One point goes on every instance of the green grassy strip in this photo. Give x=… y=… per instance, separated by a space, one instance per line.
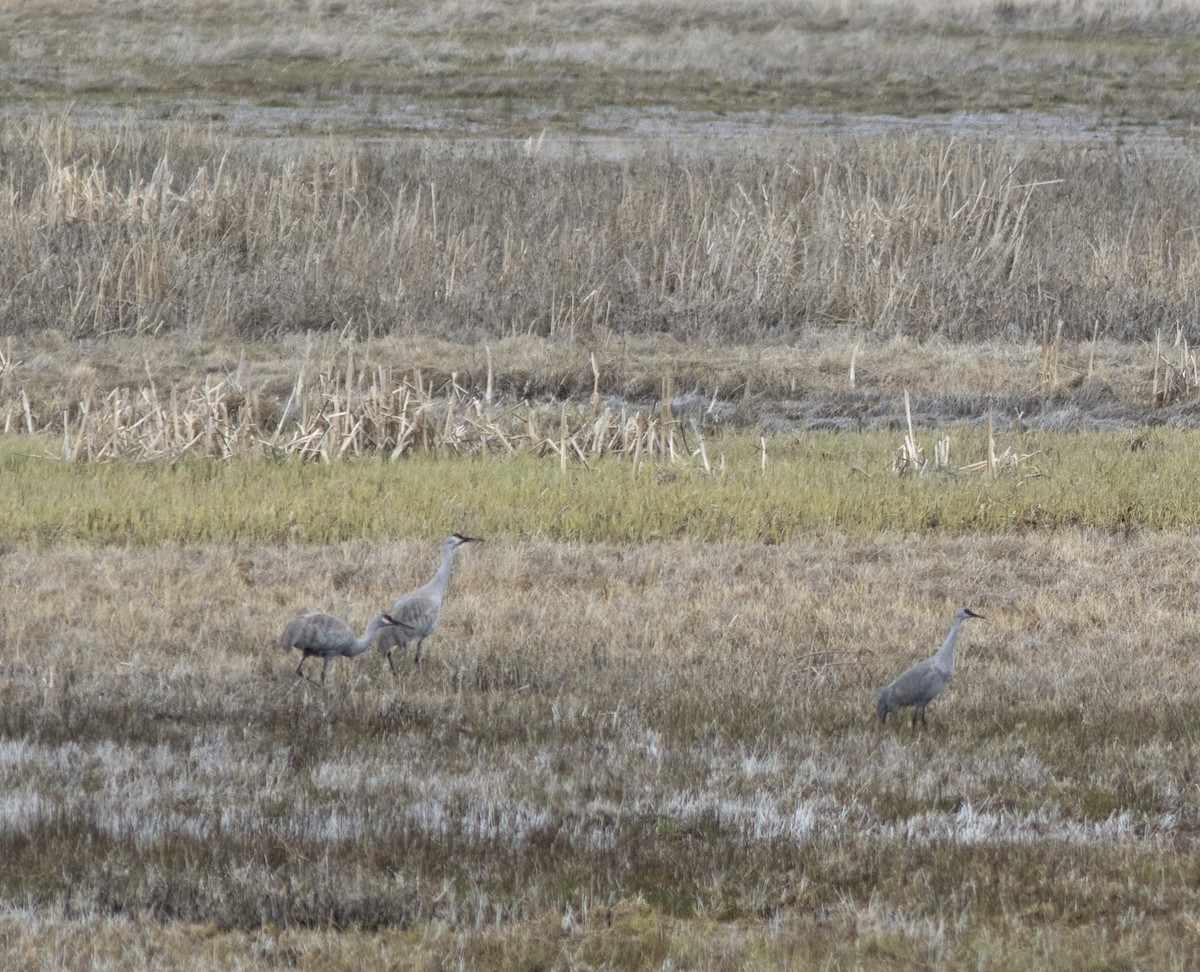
x=1105 y=481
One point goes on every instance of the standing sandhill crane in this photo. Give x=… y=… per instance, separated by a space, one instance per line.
x=327 y=637
x=417 y=611
x=922 y=683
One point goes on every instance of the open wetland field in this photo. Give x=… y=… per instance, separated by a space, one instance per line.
x=611 y=755
x=754 y=341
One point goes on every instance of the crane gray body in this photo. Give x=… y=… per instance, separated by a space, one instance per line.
x=418 y=610
x=327 y=637
x=921 y=684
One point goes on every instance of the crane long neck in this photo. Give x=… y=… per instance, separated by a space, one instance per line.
x=944 y=659
x=363 y=643
x=442 y=577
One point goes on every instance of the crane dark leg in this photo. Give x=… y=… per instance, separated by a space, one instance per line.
x=392 y=664
x=417 y=656
x=300 y=671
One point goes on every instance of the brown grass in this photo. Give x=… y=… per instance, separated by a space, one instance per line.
x=379 y=68
x=614 y=755
x=677 y=736
x=183 y=235
x=381 y=418
x=828 y=276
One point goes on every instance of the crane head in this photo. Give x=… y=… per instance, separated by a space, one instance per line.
x=388 y=619
x=463 y=538
x=968 y=613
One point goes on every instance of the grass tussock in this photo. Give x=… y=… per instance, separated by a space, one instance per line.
x=608 y=749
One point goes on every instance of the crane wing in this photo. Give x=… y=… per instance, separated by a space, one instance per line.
x=314 y=632
x=417 y=613
x=918 y=686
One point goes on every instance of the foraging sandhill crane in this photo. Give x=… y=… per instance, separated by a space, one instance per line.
x=327 y=637
x=418 y=610
x=922 y=683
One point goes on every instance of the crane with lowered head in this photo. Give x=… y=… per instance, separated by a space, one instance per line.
x=324 y=636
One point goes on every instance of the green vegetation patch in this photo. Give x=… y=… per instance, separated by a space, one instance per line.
x=842 y=481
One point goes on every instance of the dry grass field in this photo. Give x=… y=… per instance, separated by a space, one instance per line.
x=611 y=756
x=380 y=68
x=755 y=338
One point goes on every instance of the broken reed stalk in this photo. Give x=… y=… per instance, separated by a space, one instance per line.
x=941 y=453
x=562 y=439
x=700 y=449
x=1051 y=351
x=1157 y=358
x=595 y=381
x=6 y=365
x=909 y=457
x=1092 y=350
x=637 y=443
x=1178 y=380
x=991 y=445
x=911 y=440
x=666 y=425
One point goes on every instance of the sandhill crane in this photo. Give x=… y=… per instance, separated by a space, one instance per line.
x=328 y=637
x=418 y=610
x=922 y=683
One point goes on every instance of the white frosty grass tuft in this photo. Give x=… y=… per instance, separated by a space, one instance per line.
x=147 y=794
x=761 y=818
x=969 y=827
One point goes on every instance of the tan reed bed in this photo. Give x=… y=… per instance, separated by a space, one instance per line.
x=178 y=231
x=382 y=417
